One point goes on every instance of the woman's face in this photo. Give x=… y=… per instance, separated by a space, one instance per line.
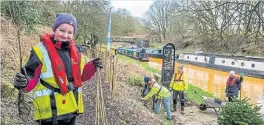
x=64 y=32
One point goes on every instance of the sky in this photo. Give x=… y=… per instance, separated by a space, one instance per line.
x=137 y=8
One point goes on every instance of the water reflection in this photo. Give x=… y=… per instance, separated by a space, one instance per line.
x=214 y=81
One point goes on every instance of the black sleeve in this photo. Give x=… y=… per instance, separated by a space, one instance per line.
x=31 y=65
x=239 y=82
x=144 y=90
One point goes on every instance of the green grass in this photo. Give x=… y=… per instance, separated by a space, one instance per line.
x=192 y=96
x=190 y=92
x=141 y=64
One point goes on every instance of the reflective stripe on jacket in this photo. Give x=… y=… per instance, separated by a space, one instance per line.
x=180 y=84
x=164 y=92
x=49 y=103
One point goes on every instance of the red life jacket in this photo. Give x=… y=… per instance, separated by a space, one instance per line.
x=58 y=66
x=232 y=82
x=180 y=78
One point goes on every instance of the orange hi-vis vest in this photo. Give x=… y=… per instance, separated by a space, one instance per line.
x=179 y=82
x=180 y=78
x=232 y=82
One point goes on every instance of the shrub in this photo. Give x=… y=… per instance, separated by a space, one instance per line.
x=7 y=91
x=136 y=80
x=239 y=112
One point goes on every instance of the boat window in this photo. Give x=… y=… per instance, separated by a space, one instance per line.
x=155 y=52
x=242 y=64
x=196 y=58
x=223 y=61
x=187 y=57
x=253 y=65
x=233 y=63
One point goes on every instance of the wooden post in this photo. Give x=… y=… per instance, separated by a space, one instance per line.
x=100 y=109
x=110 y=72
x=109 y=67
x=114 y=76
x=105 y=64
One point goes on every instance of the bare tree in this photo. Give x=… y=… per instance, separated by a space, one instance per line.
x=158 y=17
x=222 y=26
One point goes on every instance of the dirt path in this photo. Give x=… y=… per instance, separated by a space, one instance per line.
x=193 y=116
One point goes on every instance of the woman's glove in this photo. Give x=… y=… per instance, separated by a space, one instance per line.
x=98 y=63
x=21 y=81
x=241 y=74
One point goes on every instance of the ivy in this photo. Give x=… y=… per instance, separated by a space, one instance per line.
x=22 y=13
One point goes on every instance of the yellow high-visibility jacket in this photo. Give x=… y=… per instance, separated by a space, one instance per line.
x=164 y=92
x=177 y=83
x=45 y=98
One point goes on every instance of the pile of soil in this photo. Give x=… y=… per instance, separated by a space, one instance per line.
x=125 y=108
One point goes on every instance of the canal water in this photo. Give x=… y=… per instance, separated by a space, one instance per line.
x=213 y=81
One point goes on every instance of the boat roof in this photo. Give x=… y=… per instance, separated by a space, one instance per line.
x=247 y=58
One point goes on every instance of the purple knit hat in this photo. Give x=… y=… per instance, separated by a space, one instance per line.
x=65 y=18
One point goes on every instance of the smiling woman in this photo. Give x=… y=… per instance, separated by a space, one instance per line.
x=137 y=8
x=64 y=32
x=56 y=71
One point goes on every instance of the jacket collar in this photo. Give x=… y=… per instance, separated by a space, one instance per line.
x=60 y=44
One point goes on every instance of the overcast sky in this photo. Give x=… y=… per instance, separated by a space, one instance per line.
x=136 y=7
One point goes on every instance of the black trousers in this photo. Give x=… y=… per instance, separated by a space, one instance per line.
x=179 y=94
x=60 y=122
x=230 y=99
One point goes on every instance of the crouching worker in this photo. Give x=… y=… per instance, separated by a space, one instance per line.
x=179 y=86
x=162 y=94
x=145 y=91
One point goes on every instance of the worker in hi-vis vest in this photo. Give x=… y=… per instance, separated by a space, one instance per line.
x=179 y=87
x=55 y=72
x=161 y=93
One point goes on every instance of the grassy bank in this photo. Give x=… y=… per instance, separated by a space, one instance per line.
x=190 y=92
x=141 y=64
